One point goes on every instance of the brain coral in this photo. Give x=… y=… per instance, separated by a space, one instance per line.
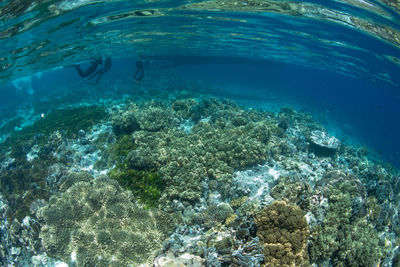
x=283 y=232
x=98 y=223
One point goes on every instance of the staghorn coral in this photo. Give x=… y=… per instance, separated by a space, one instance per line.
x=100 y=218
x=283 y=231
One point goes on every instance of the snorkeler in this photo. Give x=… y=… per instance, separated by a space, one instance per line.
x=94 y=63
x=102 y=69
x=139 y=69
x=98 y=67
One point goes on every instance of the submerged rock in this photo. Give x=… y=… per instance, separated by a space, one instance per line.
x=323 y=144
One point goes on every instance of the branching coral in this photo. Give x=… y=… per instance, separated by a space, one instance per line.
x=345 y=236
x=283 y=231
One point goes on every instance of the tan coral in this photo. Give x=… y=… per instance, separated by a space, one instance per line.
x=283 y=232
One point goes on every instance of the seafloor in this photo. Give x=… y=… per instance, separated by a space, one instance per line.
x=179 y=177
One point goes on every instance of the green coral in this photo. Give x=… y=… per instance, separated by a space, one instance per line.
x=283 y=232
x=345 y=235
x=101 y=218
x=294 y=190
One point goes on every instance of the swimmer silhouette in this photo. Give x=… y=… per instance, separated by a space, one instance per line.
x=97 y=67
x=139 y=69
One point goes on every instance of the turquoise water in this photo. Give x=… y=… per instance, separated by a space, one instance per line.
x=344 y=53
x=236 y=96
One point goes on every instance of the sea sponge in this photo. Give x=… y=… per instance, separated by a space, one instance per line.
x=101 y=218
x=283 y=232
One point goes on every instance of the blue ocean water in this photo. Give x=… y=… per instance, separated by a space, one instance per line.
x=336 y=60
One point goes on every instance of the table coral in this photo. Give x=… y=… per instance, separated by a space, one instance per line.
x=100 y=218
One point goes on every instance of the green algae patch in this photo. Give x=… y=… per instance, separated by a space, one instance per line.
x=145 y=185
x=68 y=120
x=23 y=185
x=24 y=181
x=120 y=149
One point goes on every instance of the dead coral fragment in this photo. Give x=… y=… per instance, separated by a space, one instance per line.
x=283 y=230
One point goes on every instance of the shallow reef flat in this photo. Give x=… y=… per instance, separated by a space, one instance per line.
x=191 y=180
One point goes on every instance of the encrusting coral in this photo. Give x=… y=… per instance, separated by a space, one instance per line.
x=283 y=231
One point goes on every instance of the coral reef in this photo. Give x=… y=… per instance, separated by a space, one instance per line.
x=216 y=214
x=124 y=120
x=241 y=180
x=212 y=150
x=154 y=118
x=99 y=218
x=283 y=233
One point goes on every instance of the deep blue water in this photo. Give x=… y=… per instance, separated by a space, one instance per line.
x=339 y=61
